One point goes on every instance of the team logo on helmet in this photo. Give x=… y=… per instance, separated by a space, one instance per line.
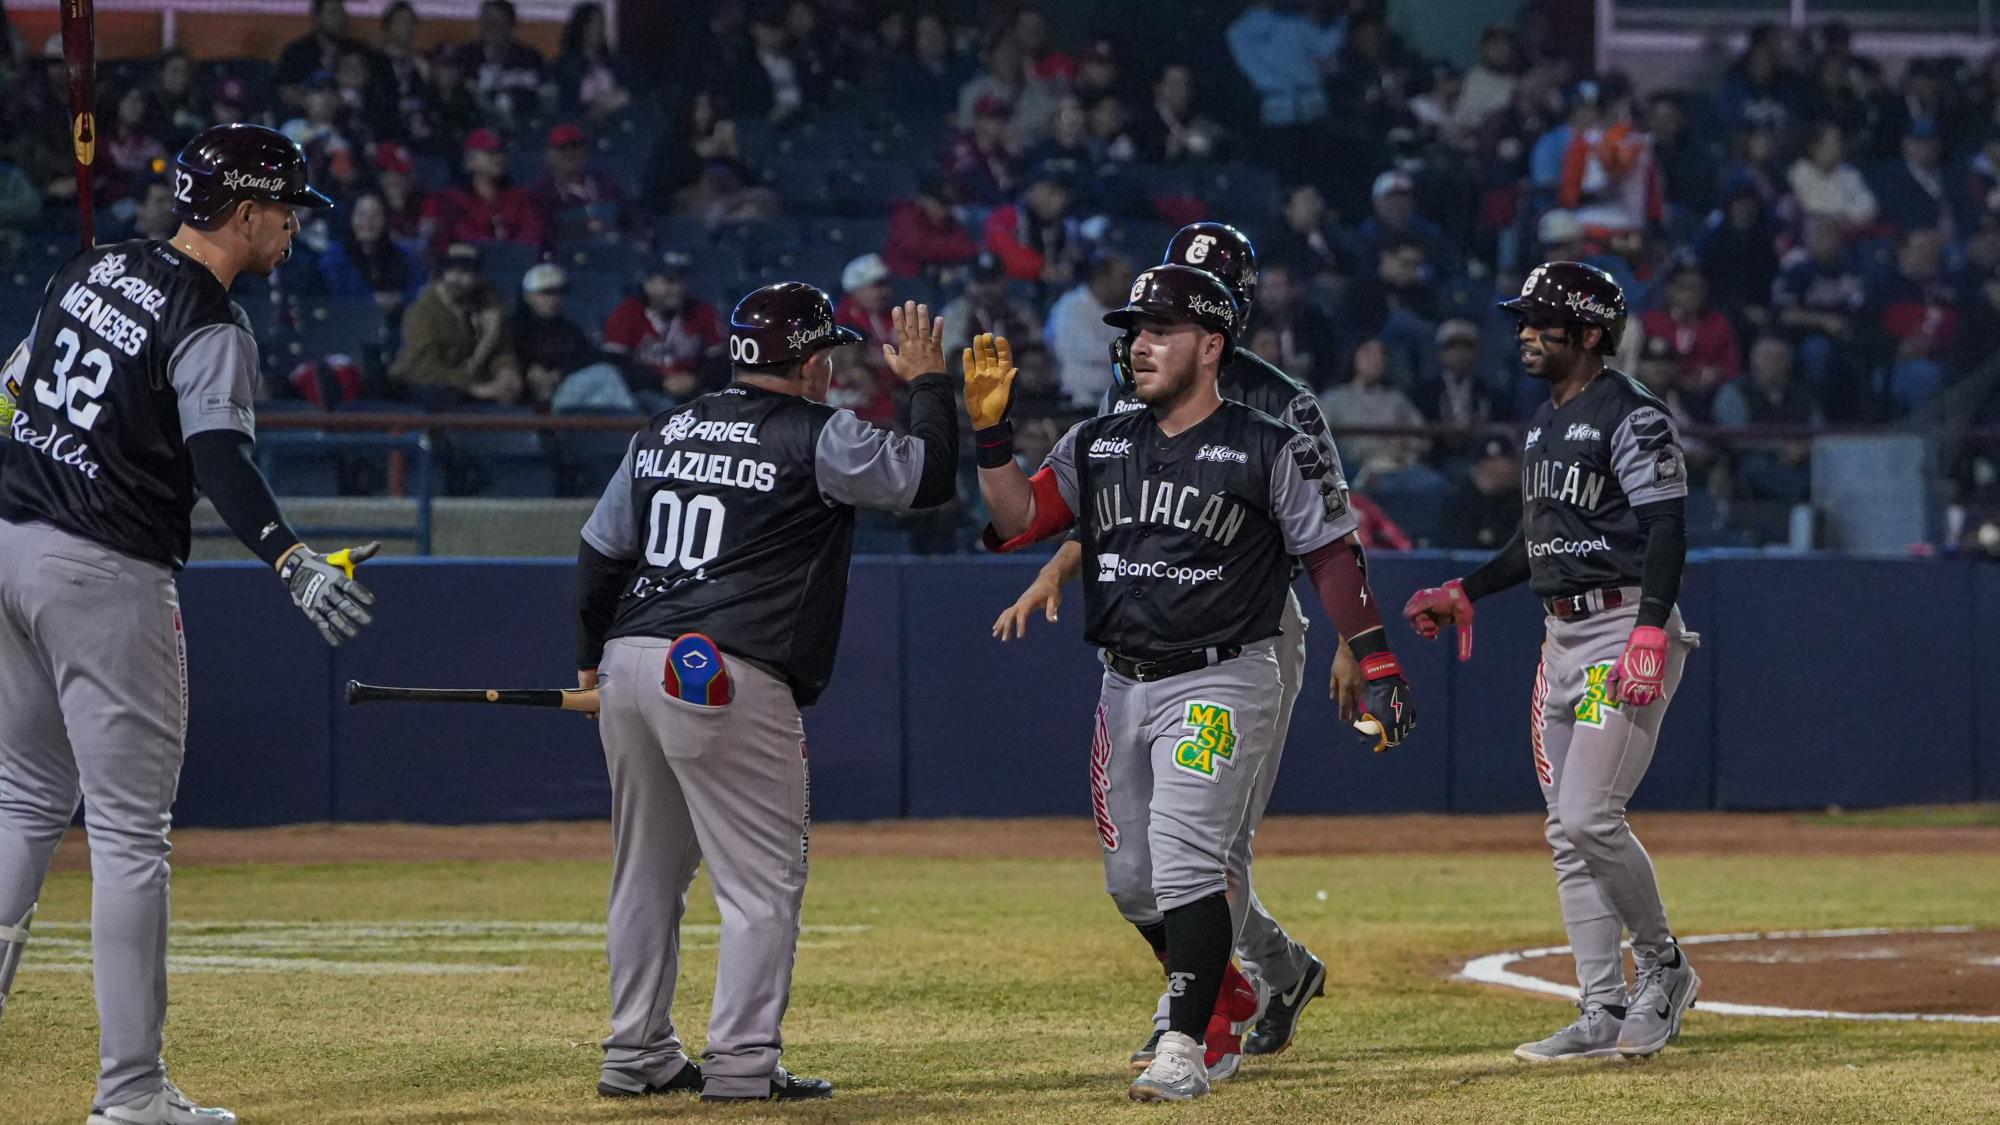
x=1534 y=278
x=1139 y=285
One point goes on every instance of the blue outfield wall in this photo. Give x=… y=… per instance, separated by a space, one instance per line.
x=1819 y=681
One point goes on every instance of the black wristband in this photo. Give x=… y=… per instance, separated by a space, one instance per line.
x=995 y=444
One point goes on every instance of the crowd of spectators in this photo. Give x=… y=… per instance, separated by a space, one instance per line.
x=1807 y=237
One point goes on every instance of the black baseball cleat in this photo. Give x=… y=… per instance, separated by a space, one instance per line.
x=785 y=1087
x=1274 y=1032
x=1143 y=1057
x=628 y=1084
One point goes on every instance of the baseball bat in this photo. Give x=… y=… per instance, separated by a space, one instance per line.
x=79 y=34
x=567 y=699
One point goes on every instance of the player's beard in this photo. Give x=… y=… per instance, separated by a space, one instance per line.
x=1168 y=389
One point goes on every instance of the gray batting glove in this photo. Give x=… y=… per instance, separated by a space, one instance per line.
x=324 y=589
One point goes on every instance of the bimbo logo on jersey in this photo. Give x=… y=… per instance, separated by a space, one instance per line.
x=1222 y=453
x=1110 y=447
x=1534 y=436
x=235 y=180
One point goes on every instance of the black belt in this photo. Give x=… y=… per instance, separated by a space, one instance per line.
x=1192 y=660
x=1576 y=607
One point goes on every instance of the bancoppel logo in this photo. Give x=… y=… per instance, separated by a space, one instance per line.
x=1222 y=453
x=108 y=269
x=1583 y=431
x=1220 y=310
x=234 y=180
x=1110 y=568
x=1534 y=436
x=1585 y=303
x=1561 y=546
x=1111 y=447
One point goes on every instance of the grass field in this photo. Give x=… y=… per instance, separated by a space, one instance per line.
x=996 y=989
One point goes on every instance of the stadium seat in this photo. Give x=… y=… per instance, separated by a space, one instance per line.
x=866 y=188
x=509 y=463
x=349 y=326
x=366 y=472
x=503 y=263
x=294 y=460
x=585 y=459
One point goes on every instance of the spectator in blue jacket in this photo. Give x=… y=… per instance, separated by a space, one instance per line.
x=365 y=262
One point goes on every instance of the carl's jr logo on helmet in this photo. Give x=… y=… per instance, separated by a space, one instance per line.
x=1220 y=310
x=235 y=181
x=806 y=336
x=1585 y=303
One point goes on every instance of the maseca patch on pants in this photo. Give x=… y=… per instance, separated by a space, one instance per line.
x=696 y=674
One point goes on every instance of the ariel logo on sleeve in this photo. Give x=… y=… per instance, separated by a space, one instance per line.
x=1213 y=742
x=1597 y=695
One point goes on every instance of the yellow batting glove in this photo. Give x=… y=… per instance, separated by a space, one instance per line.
x=347 y=558
x=989 y=380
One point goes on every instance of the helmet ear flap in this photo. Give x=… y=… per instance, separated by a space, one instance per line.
x=1121 y=362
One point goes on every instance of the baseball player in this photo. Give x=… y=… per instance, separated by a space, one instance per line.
x=1192 y=512
x=712 y=577
x=136 y=386
x=1284 y=974
x=1602 y=542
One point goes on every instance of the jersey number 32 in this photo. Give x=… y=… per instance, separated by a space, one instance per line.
x=63 y=394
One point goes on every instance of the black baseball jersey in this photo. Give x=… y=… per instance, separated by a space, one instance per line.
x=1189 y=541
x=136 y=348
x=1583 y=467
x=739 y=509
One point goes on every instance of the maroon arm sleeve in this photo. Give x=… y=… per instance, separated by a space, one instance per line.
x=1339 y=572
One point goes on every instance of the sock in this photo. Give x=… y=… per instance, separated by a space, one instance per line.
x=1198 y=941
x=1155 y=934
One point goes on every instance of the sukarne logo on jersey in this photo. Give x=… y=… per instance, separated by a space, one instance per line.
x=1222 y=453
x=1583 y=431
x=1105 y=447
x=1112 y=567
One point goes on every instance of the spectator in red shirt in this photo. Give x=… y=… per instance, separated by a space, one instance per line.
x=574 y=198
x=485 y=208
x=1033 y=237
x=406 y=203
x=980 y=165
x=924 y=236
x=864 y=384
x=1700 y=339
x=671 y=339
x=1917 y=308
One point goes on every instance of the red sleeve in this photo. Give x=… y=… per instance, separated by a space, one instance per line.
x=523 y=219
x=1728 y=357
x=1576 y=158
x=627 y=326
x=1341 y=577
x=1023 y=262
x=1052 y=516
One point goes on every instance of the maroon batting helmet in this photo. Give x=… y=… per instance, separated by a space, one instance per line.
x=225 y=164
x=1180 y=293
x=784 y=323
x=1573 y=293
x=1221 y=250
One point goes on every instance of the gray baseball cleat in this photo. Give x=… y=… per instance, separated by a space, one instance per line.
x=1175 y=1074
x=167 y=1106
x=1662 y=994
x=1143 y=1057
x=1274 y=1032
x=1594 y=1035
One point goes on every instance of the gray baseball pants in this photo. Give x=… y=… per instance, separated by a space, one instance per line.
x=93 y=707
x=1591 y=752
x=689 y=783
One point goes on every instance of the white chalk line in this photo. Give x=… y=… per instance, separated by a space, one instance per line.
x=1493 y=968
x=370 y=948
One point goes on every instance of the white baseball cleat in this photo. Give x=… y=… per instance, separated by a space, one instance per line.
x=1175 y=1074
x=1662 y=994
x=168 y=1106
x=1594 y=1035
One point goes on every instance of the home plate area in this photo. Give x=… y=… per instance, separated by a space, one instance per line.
x=1947 y=974
x=387 y=948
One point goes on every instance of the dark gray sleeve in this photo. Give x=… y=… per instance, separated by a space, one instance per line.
x=1308 y=498
x=1062 y=464
x=613 y=529
x=1305 y=416
x=214 y=373
x=1647 y=456
x=866 y=466
x=17 y=362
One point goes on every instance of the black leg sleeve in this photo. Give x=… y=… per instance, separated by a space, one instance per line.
x=242 y=496
x=1198 y=941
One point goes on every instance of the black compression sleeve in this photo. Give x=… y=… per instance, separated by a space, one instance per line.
x=934 y=422
x=599 y=581
x=240 y=493
x=1664 y=523
x=1507 y=568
